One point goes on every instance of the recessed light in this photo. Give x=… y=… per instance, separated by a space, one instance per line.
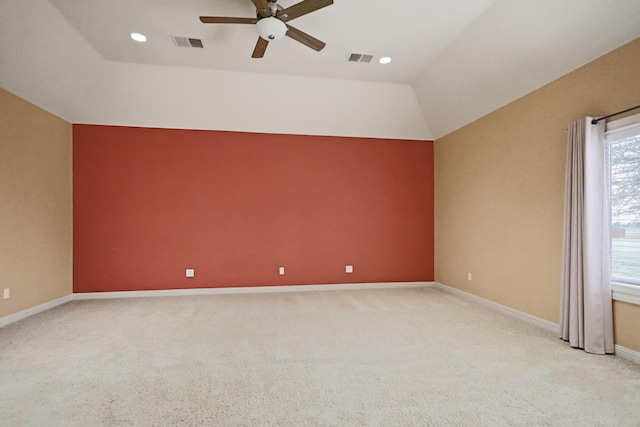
x=384 y=60
x=139 y=37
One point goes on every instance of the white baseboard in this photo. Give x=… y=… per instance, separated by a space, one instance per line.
x=621 y=351
x=628 y=354
x=12 y=318
x=249 y=290
x=537 y=321
x=205 y=291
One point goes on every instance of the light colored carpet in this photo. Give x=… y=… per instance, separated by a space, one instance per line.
x=405 y=357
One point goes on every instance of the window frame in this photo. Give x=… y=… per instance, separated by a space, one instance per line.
x=620 y=291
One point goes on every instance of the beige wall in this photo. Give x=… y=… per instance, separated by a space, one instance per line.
x=499 y=190
x=626 y=318
x=35 y=205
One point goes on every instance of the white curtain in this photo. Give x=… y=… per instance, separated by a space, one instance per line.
x=586 y=319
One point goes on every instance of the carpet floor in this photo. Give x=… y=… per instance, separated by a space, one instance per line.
x=388 y=357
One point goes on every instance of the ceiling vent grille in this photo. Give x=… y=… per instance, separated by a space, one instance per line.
x=359 y=57
x=187 y=42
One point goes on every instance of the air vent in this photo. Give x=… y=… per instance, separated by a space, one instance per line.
x=187 y=42
x=359 y=57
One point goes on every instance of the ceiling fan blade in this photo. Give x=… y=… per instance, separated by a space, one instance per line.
x=305 y=38
x=226 y=20
x=260 y=48
x=302 y=8
x=262 y=7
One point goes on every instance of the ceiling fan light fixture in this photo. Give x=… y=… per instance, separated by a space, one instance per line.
x=271 y=28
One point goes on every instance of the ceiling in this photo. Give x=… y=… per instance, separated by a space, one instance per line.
x=412 y=33
x=454 y=61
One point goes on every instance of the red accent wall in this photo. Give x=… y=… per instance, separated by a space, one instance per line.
x=149 y=203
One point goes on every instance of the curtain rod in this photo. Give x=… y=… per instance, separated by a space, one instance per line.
x=595 y=121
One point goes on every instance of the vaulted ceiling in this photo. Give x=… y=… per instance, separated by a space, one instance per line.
x=457 y=59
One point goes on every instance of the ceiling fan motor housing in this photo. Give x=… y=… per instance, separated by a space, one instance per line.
x=273 y=7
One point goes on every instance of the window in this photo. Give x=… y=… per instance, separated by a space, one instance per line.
x=623 y=172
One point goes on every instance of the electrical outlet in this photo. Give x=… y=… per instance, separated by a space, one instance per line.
x=6 y=294
x=190 y=272
x=349 y=269
x=469 y=277
x=281 y=271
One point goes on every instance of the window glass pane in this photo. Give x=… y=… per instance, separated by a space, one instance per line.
x=624 y=193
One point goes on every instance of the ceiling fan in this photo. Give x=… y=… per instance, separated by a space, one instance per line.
x=271 y=22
